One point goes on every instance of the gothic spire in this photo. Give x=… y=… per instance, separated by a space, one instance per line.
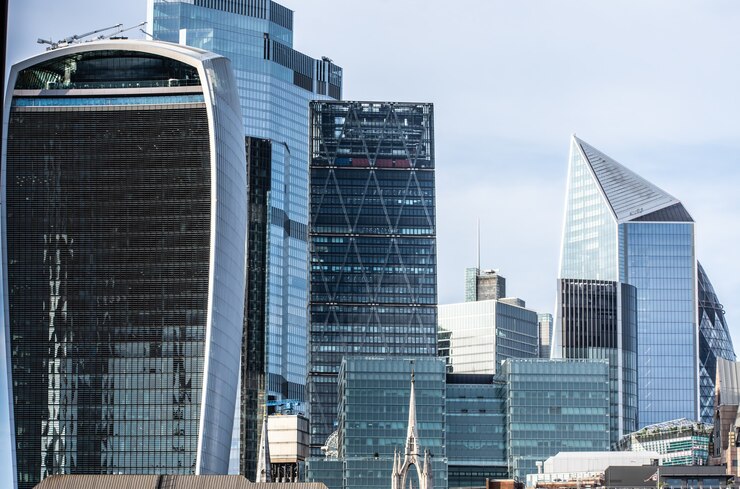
x=412 y=435
x=264 y=470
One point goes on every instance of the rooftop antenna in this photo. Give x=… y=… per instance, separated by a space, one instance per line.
x=478 y=245
x=115 y=35
x=73 y=38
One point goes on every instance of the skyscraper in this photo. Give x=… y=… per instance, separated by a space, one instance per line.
x=275 y=84
x=621 y=228
x=714 y=342
x=124 y=213
x=372 y=235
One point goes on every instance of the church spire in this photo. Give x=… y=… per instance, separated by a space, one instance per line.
x=412 y=435
x=264 y=470
x=411 y=457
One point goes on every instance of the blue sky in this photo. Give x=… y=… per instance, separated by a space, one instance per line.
x=651 y=83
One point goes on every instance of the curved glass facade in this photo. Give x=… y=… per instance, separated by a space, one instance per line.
x=115 y=261
x=714 y=342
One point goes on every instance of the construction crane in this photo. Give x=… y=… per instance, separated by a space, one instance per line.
x=74 y=38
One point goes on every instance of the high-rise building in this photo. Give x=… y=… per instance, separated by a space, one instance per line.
x=475 y=337
x=483 y=285
x=372 y=234
x=545 y=322
x=275 y=84
x=715 y=343
x=598 y=319
x=621 y=228
x=554 y=406
x=124 y=214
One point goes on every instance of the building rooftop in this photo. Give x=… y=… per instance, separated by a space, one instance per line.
x=630 y=196
x=162 y=481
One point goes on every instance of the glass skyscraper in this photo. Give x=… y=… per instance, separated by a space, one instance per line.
x=275 y=84
x=123 y=225
x=372 y=235
x=714 y=342
x=621 y=228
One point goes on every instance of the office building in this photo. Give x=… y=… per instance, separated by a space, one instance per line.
x=372 y=236
x=598 y=319
x=124 y=213
x=275 y=84
x=545 y=322
x=475 y=430
x=679 y=442
x=715 y=343
x=475 y=337
x=621 y=228
x=483 y=285
x=391 y=414
x=554 y=406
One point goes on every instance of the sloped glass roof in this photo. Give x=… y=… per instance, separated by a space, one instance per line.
x=629 y=195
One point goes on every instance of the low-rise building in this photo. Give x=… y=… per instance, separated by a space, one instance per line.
x=679 y=442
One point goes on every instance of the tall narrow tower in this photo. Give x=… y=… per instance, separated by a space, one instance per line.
x=372 y=237
x=275 y=82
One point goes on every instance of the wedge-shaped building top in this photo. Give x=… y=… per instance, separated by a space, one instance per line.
x=630 y=196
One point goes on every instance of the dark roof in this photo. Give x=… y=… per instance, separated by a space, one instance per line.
x=162 y=481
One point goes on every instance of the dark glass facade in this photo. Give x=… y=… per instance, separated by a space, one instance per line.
x=108 y=236
x=476 y=430
x=372 y=242
x=715 y=342
x=253 y=362
x=599 y=321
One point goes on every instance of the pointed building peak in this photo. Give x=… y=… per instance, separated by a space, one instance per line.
x=630 y=196
x=264 y=468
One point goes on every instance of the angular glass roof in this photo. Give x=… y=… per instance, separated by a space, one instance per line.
x=629 y=195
